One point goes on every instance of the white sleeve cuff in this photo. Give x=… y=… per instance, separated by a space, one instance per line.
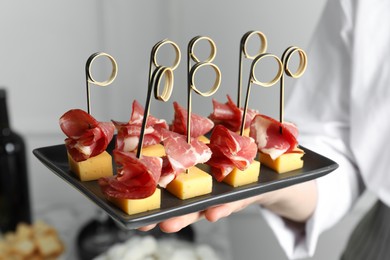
x=291 y=239
x=337 y=191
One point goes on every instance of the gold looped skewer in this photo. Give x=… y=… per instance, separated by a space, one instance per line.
x=217 y=81
x=156 y=76
x=192 y=71
x=244 y=52
x=168 y=83
x=299 y=72
x=253 y=79
x=157 y=47
x=194 y=41
x=90 y=78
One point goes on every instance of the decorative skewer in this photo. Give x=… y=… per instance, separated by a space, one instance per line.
x=253 y=79
x=244 y=52
x=192 y=71
x=300 y=70
x=155 y=78
x=88 y=75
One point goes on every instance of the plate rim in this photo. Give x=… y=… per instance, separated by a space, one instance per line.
x=190 y=205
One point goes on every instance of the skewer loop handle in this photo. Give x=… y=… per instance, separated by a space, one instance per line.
x=156 y=48
x=278 y=75
x=286 y=57
x=88 y=69
x=159 y=74
x=194 y=41
x=90 y=78
x=244 y=43
x=217 y=81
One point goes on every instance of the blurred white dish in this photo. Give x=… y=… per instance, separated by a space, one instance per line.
x=148 y=247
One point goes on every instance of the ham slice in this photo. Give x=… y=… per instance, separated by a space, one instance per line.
x=270 y=140
x=135 y=178
x=230 y=116
x=86 y=136
x=199 y=125
x=128 y=133
x=181 y=155
x=230 y=150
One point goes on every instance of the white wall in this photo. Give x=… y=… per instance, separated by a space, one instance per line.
x=44 y=45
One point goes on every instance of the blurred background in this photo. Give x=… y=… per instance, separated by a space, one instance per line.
x=44 y=45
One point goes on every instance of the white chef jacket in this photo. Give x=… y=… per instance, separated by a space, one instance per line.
x=341 y=107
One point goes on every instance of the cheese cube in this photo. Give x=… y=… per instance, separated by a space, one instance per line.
x=134 y=206
x=284 y=163
x=192 y=184
x=156 y=150
x=204 y=139
x=92 y=168
x=238 y=178
x=246 y=131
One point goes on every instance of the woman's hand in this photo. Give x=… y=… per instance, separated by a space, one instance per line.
x=296 y=203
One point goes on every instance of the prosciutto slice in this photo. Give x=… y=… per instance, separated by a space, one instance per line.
x=86 y=137
x=230 y=150
x=230 y=116
x=135 y=178
x=128 y=133
x=270 y=140
x=199 y=125
x=180 y=155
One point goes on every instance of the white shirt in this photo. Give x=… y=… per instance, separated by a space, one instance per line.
x=341 y=106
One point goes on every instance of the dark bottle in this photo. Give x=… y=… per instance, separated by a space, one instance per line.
x=14 y=192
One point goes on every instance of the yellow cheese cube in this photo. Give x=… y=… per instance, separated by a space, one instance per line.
x=192 y=184
x=284 y=163
x=246 y=131
x=134 y=206
x=156 y=150
x=238 y=178
x=92 y=168
x=204 y=139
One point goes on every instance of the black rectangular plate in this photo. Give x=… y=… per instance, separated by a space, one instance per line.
x=315 y=166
